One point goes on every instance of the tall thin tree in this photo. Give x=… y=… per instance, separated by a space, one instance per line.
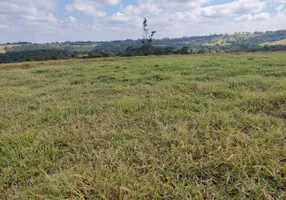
x=147 y=38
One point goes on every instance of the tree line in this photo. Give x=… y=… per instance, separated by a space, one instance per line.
x=55 y=54
x=144 y=47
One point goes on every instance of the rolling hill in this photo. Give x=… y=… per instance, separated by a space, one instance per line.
x=211 y=41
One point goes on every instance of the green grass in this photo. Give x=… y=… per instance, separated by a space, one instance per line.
x=170 y=127
x=280 y=42
x=222 y=40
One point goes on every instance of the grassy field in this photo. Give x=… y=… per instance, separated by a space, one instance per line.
x=280 y=42
x=171 y=127
x=72 y=48
x=232 y=37
x=2 y=50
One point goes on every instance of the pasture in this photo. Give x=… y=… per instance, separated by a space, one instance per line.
x=168 y=127
x=2 y=47
x=2 y=50
x=280 y=42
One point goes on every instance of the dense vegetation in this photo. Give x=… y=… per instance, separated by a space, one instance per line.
x=37 y=55
x=213 y=43
x=56 y=54
x=238 y=42
x=171 y=127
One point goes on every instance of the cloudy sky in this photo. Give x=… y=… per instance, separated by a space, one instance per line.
x=98 y=20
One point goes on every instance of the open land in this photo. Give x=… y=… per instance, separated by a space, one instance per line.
x=168 y=127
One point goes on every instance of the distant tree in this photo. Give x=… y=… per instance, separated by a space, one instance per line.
x=184 y=50
x=147 y=38
x=6 y=48
x=201 y=51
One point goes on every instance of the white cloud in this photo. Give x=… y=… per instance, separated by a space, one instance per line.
x=259 y=17
x=103 y=2
x=90 y=7
x=279 y=8
x=234 y=7
x=4 y=26
x=143 y=9
x=152 y=7
x=119 y=17
x=46 y=4
x=68 y=22
x=20 y=12
x=38 y=19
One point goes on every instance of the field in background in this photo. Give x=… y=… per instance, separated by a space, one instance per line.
x=237 y=42
x=280 y=42
x=67 y=47
x=2 y=50
x=229 y=39
x=168 y=127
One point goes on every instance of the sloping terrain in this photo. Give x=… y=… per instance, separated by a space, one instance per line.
x=216 y=41
x=2 y=50
x=279 y=42
x=114 y=47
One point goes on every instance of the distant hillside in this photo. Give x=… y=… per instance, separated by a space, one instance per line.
x=66 y=46
x=280 y=42
x=222 y=41
x=255 y=38
x=4 y=48
x=217 y=43
x=113 y=47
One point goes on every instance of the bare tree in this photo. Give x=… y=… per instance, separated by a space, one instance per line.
x=147 y=38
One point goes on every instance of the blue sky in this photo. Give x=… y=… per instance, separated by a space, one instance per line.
x=102 y=20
